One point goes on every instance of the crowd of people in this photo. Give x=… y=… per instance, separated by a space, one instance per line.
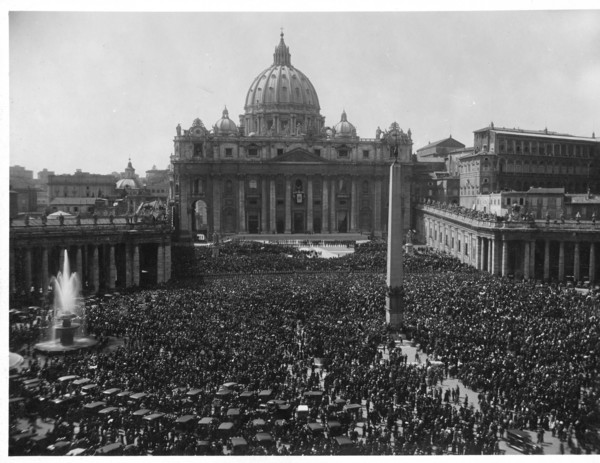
x=530 y=351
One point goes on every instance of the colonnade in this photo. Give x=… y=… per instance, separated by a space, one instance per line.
x=538 y=254
x=106 y=266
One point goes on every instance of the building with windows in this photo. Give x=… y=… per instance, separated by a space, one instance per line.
x=280 y=169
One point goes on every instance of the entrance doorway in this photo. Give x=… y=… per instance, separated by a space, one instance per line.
x=298 y=222
x=253 y=223
x=342 y=221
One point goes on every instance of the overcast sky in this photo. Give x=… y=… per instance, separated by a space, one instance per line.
x=90 y=90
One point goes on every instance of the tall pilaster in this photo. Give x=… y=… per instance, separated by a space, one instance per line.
x=112 y=269
x=241 y=205
x=561 y=261
x=128 y=265
x=264 y=201
x=526 y=267
x=325 y=206
x=136 y=265
x=592 y=263
x=577 y=263
x=28 y=274
x=546 y=260
x=309 y=205
x=288 y=204
x=478 y=256
x=160 y=264
x=332 y=212
x=216 y=204
x=272 y=204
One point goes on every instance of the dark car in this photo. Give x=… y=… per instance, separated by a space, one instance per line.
x=521 y=441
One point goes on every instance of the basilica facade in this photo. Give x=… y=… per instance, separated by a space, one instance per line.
x=281 y=169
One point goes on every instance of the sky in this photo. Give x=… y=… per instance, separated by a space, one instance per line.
x=89 y=90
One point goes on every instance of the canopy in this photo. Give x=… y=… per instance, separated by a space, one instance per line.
x=185 y=418
x=315 y=427
x=153 y=416
x=207 y=420
x=112 y=391
x=238 y=442
x=108 y=410
x=352 y=407
x=57 y=214
x=263 y=437
x=141 y=412
x=344 y=441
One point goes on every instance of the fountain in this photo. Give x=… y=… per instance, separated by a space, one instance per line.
x=64 y=336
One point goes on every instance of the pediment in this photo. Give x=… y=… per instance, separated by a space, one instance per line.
x=299 y=155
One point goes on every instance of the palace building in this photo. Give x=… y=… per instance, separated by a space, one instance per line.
x=280 y=169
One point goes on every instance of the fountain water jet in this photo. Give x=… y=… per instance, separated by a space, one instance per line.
x=66 y=291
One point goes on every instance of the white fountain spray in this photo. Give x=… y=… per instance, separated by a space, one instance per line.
x=66 y=289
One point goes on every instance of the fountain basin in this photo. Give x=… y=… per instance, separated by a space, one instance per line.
x=55 y=346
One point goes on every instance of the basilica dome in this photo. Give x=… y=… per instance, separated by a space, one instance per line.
x=344 y=128
x=281 y=99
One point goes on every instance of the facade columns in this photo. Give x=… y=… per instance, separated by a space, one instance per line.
x=241 y=206
x=264 y=227
x=333 y=197
x=272 y=204
x=160 y=264
x=491 y=259
x=309 y=201
x=325 y=206
x=216 y=184
x=353 y=206
x=577 y=264
x=592 y=262
x=561 y=261
x=377 y=208
x=136 y=265
x=526 y=266
x=547 y=260
x=288 y=205
x=112 y=269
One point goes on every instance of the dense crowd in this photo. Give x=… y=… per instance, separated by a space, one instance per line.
x=530 y=351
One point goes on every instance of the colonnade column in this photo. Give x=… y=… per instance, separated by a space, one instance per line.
x=532 y=260
x=241 y=206
x=28 y=275
x=136 y=265
x=325 y=206
x=264 y=227
x=78 y=264
x=160 y=264
x=526 y=267
x=561 y=261
x=45 y=274
x=272 y=204
x=95 y=268
x=309 y=210
x=128 y=265
x=216 y=205
x=546 y=260
x=112 y=269
x=353 y=206
x=332 y=198
x=288 y=205
x=576 y=266
x=592 y=263
x=167 y=276
x=492 y=256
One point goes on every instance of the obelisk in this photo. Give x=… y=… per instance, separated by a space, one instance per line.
x=394 y=310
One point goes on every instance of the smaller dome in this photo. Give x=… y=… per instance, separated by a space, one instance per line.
x=344 y=128
x=225 y=126
x=127 y=183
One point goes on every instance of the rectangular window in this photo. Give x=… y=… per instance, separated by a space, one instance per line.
x=365 y=154
x=317 y=152
x=343 y=153
x=253 y=152
x=228 y=152
x=279 y=151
